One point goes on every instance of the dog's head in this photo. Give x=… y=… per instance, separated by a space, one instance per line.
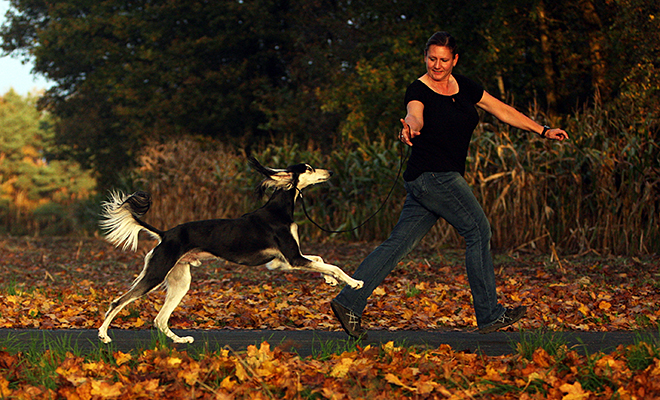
x=295 y=176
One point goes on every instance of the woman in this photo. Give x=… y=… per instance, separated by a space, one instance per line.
x=439 y=123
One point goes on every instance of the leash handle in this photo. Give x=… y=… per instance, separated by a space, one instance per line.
x=403 y=158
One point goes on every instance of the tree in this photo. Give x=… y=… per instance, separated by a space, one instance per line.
x=246 y=70
x=28 y=178
x=126 y=70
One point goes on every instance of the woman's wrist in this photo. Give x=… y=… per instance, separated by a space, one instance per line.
x=545 y=130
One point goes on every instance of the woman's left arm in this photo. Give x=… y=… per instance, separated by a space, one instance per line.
x=515 y=118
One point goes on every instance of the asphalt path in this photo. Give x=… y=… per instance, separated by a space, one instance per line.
x=309 y=343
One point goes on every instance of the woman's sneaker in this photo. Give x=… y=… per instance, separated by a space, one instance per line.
x=350 y=321
x=510 y=316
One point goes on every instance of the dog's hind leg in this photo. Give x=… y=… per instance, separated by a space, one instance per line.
x=178 y=283
x=153 y=274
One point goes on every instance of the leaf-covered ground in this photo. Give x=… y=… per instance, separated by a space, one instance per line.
x=68 y=283
x=385 y=372
x=53 y=283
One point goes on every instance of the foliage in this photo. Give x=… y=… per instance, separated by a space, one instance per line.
x=598 y=191
x=68 y=284
x=33 y=187
x=270 y=70
x=378 y=372
x=70 y=291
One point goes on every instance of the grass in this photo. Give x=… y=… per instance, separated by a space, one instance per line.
x=645 y=349
x=331 y=347
x=552 y=342
x=590 y=378
x=40 y=360
x=14 y=287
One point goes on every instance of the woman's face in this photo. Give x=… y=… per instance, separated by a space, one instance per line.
x=440 y=62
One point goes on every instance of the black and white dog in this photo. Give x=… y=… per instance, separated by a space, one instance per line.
x=267 y=236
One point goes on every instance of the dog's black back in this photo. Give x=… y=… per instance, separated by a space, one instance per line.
x=249 y=240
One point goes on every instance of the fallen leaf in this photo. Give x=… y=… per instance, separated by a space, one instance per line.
x=573 y=391
x=393 y=379
x=341 y=369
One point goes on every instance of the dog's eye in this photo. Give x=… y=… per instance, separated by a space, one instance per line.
x=310 y=169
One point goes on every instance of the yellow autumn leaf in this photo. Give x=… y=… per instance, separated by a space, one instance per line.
x=122 y=358
x=425 y=387
x=228 y=383
x=174 y=361
x=5 y=392
x=393 y=379
x=573 y=391
x=656 y=368
x=145 y=387
x=492 y=374
x=104 y=389
x=604 y=305
x=583 y=309
x=92 y=366
x=341 y=369
x=190 y=373
x=241 y=374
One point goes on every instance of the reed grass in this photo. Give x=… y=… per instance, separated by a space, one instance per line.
x=599 y=191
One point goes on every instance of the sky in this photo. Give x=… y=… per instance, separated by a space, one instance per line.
x=15 y=75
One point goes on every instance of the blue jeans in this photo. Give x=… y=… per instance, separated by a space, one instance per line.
x=431 y=196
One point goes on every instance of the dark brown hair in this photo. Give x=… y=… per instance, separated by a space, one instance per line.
x=442 y=39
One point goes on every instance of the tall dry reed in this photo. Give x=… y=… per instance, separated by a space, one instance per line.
x=600 y=191
x=192 y=179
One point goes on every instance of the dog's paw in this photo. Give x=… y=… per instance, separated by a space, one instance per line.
x=185 y=339
x=356 y=284
x=104 y=338
x=317 y=259
x=330 y=280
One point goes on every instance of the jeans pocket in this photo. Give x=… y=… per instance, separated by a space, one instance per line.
x=417 y=188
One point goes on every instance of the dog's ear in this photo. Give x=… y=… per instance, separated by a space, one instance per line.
x=280 y=180
x=256 y=165
x=275 y=178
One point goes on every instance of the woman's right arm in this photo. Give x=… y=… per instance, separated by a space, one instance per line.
x=413 y=123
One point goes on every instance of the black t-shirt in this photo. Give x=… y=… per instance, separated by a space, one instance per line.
x=449 y=122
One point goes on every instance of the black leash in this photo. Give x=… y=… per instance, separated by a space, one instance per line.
x=403 y=158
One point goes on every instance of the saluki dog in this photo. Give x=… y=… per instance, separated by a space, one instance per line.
x=267 y=236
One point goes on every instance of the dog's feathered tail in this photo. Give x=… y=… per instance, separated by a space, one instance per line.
x=121 y=219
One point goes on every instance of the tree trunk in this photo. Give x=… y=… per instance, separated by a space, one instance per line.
x=596 y=41
x=548 y=69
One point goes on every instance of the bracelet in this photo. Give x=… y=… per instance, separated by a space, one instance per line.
x=545 y=129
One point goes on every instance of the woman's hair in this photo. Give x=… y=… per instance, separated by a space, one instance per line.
x=442 y=39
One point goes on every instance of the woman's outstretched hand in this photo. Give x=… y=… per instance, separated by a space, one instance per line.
x=407 y=134
x=556 y=134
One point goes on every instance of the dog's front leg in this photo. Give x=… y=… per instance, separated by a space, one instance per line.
x=178 y=283
x=336 y=272
x=329 y=279
x=330 y=272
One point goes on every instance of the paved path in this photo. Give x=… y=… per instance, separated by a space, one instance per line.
x=307 y=343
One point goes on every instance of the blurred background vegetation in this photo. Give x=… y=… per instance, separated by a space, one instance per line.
x=170 y=97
